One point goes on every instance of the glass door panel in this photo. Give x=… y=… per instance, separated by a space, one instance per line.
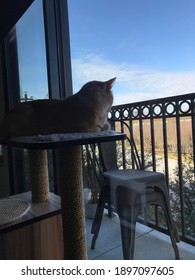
x=26 y=68
x=32 y=54
x=37 y=66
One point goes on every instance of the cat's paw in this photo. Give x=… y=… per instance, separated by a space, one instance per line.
x=106 y=126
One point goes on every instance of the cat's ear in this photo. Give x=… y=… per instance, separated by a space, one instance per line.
x=109 y=83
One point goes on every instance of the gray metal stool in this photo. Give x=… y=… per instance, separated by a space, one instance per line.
x=129 y=191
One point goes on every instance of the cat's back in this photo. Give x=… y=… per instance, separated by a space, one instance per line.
x=26 y=114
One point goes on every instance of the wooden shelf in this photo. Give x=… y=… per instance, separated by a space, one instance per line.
x=36 y=235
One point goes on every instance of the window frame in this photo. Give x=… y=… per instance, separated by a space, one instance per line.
x=59 y=73
x=58 y=48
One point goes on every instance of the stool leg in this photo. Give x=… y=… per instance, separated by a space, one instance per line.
x=172 y=236
x=98 y=219
x=128 y=208
x=70 y=180
x=172 y=229
x=39 y=175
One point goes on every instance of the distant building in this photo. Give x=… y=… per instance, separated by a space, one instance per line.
x=26 y=98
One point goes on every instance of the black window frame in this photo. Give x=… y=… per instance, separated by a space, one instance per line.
x=59 y=73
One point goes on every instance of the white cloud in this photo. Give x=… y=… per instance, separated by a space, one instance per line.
x=134 y=82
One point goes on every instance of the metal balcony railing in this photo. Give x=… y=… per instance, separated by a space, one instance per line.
x=164 y=134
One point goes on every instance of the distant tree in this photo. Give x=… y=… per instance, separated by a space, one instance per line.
x=186 y=190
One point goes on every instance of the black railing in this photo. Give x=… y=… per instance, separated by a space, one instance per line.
x=164 y=133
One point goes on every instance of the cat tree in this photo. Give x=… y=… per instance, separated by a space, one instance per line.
x=69 y=179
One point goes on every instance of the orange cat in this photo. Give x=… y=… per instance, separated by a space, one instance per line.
x=82 y=112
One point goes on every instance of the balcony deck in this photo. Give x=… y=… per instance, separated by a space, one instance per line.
x=150 y=244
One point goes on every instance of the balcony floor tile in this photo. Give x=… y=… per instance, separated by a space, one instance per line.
x=150 y=244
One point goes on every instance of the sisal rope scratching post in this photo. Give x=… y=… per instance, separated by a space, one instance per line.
x=72 y=202
x=39 y=175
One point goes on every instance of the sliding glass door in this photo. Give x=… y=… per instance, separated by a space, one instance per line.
x=30 y=38
x=37 y=66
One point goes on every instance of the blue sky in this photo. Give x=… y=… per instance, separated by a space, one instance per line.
x=31 y=52
x=149 y=45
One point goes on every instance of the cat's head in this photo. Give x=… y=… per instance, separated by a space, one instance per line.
x=102 y=89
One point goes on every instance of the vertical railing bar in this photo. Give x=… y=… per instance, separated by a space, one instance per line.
x=193 y=129
x=153 y=142
x=180 y=169
x=132 y=131
x=135 y=154
x=153 y=159
x=166 y=165
x=123 y=145
x=94 y=162
x=132 y=152
x=141 y=138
